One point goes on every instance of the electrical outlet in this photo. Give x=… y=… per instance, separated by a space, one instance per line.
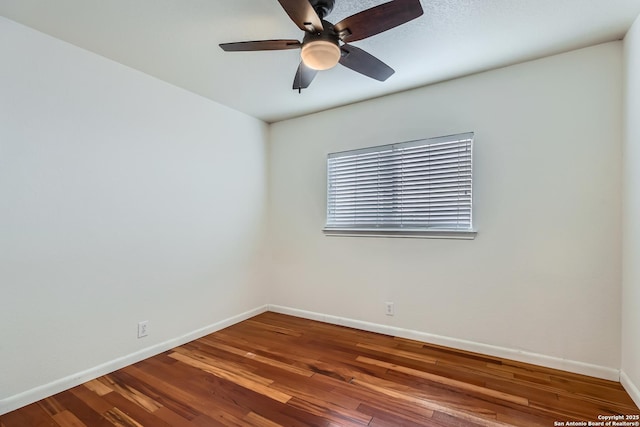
x=143 y=328
x=388 y=308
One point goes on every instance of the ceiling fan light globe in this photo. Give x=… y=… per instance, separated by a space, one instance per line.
x=320 y=54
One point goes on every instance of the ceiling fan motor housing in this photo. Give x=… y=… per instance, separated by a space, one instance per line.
x=328 y=33
x=322 y=7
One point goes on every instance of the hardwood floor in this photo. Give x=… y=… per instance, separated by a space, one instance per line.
x=277 y=370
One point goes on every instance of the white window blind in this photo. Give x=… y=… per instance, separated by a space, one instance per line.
x=423 y=185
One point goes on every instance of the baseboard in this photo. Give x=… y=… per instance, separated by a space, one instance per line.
x=631 y=388
x=15 y=402
x=490 y=350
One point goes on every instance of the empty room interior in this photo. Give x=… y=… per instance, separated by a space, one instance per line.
x=167 y=203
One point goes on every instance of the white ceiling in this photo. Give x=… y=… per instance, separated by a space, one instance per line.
x=177 y=41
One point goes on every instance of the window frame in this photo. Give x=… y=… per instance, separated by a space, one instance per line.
x=402 y=230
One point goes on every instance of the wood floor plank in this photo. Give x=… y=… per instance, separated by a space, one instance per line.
x=81 y=410
x=277 y=370
x=67 y=419
x=134 y=412
x=318 y=387
x=481 y=418
x=243 y=379
x=384 y=417
x=171 y=418
x=131 y=393
x=259 y=421
x=157 y=389
x=399 y=353
x=197 y=392
x=470 y=403
x=119 y=418
x=98 y=387
x=91 y=399
x=30 y=415
x=263 y=359
x=457 y=385
x=396 y=406
x=327 y=404
x=50 y=406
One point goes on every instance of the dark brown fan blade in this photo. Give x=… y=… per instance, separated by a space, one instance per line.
x=364 y=63
x=304 y=77
x=378 y=19
x=302 y=14
x=260 y=45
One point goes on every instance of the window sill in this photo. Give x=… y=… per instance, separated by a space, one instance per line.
x=404 y=233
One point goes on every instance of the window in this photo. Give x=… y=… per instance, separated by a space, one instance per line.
x=415 y=189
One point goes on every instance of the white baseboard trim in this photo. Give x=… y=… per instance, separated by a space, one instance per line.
x=487 y=349
x=25 y=398
x=631 y=388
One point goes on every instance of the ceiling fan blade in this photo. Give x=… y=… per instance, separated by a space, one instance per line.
x=260 y=45
x=302 y=14
x=304 y=77
x=364 y=63
x=377 y=19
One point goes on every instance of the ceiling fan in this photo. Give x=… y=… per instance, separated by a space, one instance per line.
x=321 y=47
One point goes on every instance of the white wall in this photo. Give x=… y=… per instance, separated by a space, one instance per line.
x=122 y=199
x=543 y=275
x=631 y=217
